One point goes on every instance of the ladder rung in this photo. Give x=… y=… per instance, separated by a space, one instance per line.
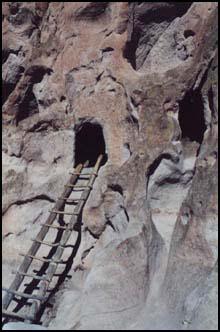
x=58 y=274
x=82 y=174
x=78 y=187
x=36 y=258
x=82 y=186
x=24 y=295
x=71 y=199
x=50 y=244
x=54 y=226
x=75 y=173
x=45 y=260
x=37 y=288
x=33 y=276
x=12 y=314
x=63 y=212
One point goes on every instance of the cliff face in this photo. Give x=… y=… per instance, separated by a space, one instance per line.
x=145 y=74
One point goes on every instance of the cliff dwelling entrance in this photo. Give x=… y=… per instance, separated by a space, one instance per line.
x=89 y=144
x=191 y=117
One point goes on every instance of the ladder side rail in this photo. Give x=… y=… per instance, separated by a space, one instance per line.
x=35 y=307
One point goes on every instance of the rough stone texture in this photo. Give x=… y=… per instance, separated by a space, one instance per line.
x=147 y=73
x=22 y=327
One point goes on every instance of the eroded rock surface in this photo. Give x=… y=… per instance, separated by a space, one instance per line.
x=146 y=74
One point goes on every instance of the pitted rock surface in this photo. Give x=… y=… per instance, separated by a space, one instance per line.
x=146 y=73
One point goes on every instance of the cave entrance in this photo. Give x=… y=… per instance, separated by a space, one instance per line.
x=191 y=117
x=7 y=89
x=89 y=144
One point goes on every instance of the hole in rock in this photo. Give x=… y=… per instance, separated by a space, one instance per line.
x=89 y=144
x=62 y=98
x=7 y=89
x=131 y=46
x=116 y=187
x=28 y=106
x=37 y=73
x=191 y=116
x=107 y=49
x=189 y=33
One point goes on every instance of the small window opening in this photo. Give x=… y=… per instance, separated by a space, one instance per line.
x=191 y=116
x=89 y=144
x=62 y=98
x=189 y=33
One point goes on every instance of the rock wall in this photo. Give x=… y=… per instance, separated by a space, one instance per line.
x=147 y=74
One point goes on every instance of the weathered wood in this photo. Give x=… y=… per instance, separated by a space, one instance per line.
x=56 y=259
x=33 y=276
x=36 y=303
x=24 y=295
x=77 y=187
x=46 y=243
x=35 y=246
x=41 y=259
x=33 y=311
x=63 y=212
x=66 y=234
x=73 y=173
x=71 y=199
x=11 y=314
x=84 y=174
x=54 y=226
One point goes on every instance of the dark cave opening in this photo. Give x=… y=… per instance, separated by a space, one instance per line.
x=7 y=89
x=191 y=116
x=5 y=54
x=89 y=144
x=28 y=106
x=189 y=33
x=131 y=46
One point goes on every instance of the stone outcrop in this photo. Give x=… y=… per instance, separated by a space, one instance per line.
x=146 y=74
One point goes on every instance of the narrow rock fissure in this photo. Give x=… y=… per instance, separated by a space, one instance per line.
x=29 y=200
x=95 y=236
x=108 y=222
x=211 y=101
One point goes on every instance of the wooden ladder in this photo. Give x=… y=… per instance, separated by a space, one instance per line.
x=44 y=281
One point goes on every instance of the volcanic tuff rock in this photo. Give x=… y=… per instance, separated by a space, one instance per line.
x=147 y=74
